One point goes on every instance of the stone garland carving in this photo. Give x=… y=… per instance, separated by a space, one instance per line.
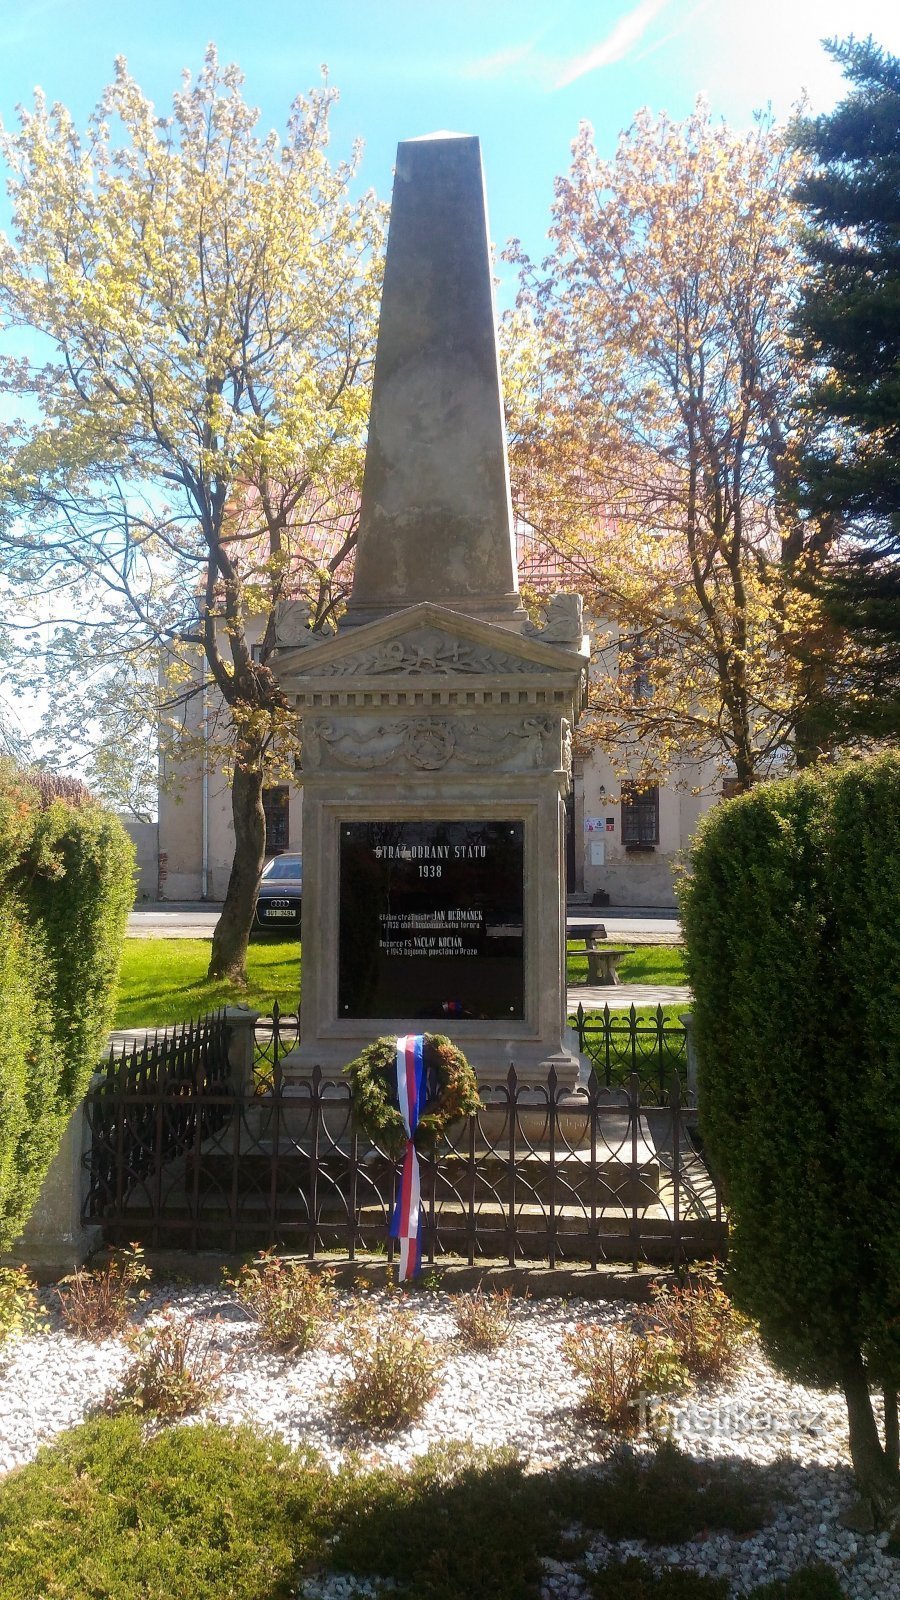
x=291 y=626
x=430 y=743
x=563 y=624
x=429 y=653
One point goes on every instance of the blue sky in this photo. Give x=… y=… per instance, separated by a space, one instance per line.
x=521 y=75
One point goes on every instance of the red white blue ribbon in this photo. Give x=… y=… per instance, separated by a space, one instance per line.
x=406 y=1223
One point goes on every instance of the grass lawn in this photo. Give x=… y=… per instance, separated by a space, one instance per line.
x=646 y=963
x=164 y=980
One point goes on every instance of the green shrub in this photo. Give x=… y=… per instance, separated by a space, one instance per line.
x=20 y=1308
x=100 y=1302
x=470 y=1524
x=790 y=915
x=708 y=1332
x=637 y=1580
x=395 y=1370
x=293 y=1305
x=189 y=1513
x=483 y=1318
x=66 y=887
x=670 y=1497
x=175 y=1371
x=458 y=1524
x=622 y=1371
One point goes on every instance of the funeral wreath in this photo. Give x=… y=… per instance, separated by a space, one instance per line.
x=451 y=1092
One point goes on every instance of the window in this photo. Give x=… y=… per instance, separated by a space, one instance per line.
x=276 y=805
x=640 y=816
x=636 y=656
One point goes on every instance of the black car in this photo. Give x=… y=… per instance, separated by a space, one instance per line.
x=280 y=893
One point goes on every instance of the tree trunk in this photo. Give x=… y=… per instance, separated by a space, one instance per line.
x=232 y=932
x=891 y=1428
x=877 y=1480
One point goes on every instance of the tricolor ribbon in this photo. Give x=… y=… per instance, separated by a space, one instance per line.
x=406 y=1223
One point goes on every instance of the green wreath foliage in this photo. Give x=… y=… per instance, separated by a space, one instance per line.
x=373 y=1080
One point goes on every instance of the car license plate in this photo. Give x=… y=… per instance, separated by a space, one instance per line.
x=273 y=913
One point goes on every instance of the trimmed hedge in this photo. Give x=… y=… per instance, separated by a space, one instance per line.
x=66 y=887
x=792 y=919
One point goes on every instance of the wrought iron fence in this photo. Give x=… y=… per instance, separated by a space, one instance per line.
x=144 y=1106
x=189 y=1158
x=622 y=1044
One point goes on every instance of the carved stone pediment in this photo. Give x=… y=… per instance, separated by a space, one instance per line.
x=430 y=744
x=427 y=641
x=426 y=652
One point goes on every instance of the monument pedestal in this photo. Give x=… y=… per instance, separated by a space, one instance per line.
x=436 y=723
x=436 y=754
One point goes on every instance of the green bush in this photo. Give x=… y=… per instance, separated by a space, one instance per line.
x=190 y=1513
x=66 y=887
x=637 y=1580
x=623 y=1372
x=669 y=1497
x=20 y=1308
x=293 y=1305
x=793 y=936
x=395 y=1370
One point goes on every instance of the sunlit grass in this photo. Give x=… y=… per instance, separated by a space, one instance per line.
x=648 y=963
x=164 y=980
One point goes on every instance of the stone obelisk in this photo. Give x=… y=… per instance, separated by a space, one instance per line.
x=436 y=520
x=436 y=723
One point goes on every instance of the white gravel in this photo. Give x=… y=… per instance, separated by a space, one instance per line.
x=524 y=1395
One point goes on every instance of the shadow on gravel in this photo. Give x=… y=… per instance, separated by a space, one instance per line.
x=468 y=1526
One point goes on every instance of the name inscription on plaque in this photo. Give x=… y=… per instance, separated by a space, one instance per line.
x=431 y=920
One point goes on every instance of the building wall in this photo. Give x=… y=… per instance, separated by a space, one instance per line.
x=145 y=838
x=194 y=829
x=634 y=878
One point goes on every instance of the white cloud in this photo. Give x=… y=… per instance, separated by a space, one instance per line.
x=628 y=32
x=497 y=65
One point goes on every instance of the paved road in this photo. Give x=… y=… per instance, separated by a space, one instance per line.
x=194 y=920
x=173 y=920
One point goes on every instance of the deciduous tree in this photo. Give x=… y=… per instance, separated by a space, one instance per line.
x=205 y=299
x=653 y=453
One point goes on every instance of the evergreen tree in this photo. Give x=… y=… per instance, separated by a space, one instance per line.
x=849 y=324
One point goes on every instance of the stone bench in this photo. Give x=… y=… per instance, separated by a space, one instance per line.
x=602 y=961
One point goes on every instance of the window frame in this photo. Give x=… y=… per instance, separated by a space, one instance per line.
x=640 y=801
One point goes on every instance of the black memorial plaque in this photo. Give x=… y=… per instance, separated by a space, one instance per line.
x=431 y=920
